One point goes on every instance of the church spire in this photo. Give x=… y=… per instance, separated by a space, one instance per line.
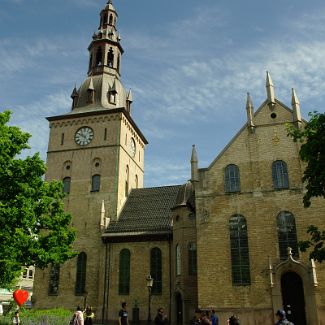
x=105 y=49
x=270 y=90
x=194 y=165
x=296 y=109
x=250 y=112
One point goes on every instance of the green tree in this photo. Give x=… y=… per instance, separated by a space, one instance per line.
x=34 y=229
x=312 y=152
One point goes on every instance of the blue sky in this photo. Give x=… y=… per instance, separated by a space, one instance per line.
x=189 y=65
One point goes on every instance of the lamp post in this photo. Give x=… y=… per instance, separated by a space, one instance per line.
x=149 y=280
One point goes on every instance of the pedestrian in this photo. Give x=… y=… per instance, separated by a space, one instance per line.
x=161 y=318
x=123 y=315
x=78 y=318
x=214 y=318
x=16 y=319
x=233 y=320
x=204 y=319
x=89 y=316
x=282 y=319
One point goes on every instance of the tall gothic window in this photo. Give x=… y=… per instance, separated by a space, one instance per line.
x=66 y=184
x=95 y=184
x=280 y=175
x=81 y=274
x=156 y=270
x=127 y=182
x=287 y=234
x=99 y=57
x=54 y=279
x=239 y=250
x=110 y=58
x=90 y=62
x=124 y=274
x=232 y=179
x=178 y=259
x=192 y=262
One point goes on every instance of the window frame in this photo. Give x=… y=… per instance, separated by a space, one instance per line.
x=124 y=272
x=192 y=258
x=239 y=251
x=156 y=270
x=81 y=272
x=280 y=175
x=232 y=179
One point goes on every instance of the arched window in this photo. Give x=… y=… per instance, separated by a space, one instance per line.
x=95 y=184
x=90 y=62
x=124 y=274
x=118 y=64
x=54 y=280
x=99 y=57
x=239 y=250
x=110 y=58
x=280 y=175
x=232 y=179
x=178 y=259
x=66 y=184
x=127 y=181
x=192 y=264
x=287 y=234
x=110 y=19
x=136 y=181
x=105 y=19
x=156 y=270
x=81 y=274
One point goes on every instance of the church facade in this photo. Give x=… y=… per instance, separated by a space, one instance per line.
x=226 y=240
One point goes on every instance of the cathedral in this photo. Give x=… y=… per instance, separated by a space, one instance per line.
x=225 y=240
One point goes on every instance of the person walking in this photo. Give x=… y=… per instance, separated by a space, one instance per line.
x=78 y=317
x=88 y=316
x=16 y=319
x=233 y=320
x=282 y=318
x=161 y=318
x=214 y=318
x=123 y=315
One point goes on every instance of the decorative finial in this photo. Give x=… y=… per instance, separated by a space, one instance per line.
x=270 y=90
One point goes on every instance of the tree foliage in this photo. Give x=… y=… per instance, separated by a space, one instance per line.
x=34 y=228
x=312 y=152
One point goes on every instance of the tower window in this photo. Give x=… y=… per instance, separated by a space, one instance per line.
x=110 y=20
x=99 y=57
x=90 y=62
x=90 y=95
x=287 y=234
x=105 y=134
x=95 y=185
x=105 y=19
x=156 y=270
x=62 y=139
x=81 y=273
x=124 y=272
x=232 y=179
x=54 y=280
x=66 y=184
x=110 y=58
x=136 y=181
x=280 y=175
x=118 y=64
x=127 y=182
x=239 y=251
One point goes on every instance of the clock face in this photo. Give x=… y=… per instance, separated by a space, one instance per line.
x=84 y=136
x=132 y=147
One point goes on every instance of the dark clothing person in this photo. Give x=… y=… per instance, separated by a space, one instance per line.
x=214 y=318
x=282 y=319
x=89 y=316
x=161 y=319
x=123 y=315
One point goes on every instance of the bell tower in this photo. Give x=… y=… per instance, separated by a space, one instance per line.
x=97 y=150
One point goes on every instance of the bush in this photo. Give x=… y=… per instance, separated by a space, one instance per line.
x=57 y=316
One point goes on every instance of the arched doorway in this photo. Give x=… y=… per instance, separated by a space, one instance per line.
x=293 y=298
x=179 y=309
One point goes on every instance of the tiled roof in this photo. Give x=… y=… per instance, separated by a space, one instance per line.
x=147 y=210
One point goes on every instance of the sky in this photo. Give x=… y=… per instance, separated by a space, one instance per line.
x=189 y=64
